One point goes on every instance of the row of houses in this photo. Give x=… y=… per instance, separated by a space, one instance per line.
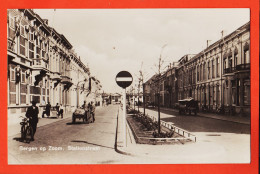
x=218 y=77
x=43 y=66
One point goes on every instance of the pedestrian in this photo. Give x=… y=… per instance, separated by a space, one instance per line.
x=57 y=108
x=93 y=108
x=61 y=111
x=47 y=110
x=84 y=106
x=32 y=113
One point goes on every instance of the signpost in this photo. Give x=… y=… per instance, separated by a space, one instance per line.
x=124 y=79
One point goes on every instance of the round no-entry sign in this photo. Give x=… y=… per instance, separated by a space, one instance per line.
x=124 y=79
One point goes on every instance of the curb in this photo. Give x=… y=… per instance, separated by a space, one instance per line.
x=166 y=109
x=117 y=149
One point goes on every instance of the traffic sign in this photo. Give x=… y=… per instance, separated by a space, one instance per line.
x=124 y=79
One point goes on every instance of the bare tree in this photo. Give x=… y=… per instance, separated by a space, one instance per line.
x=158 y=80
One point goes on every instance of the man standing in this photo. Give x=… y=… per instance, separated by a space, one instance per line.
x=32 y=113
x=61 y=111
x=47 y=110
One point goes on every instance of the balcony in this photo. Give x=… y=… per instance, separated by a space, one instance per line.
x=55 y=76
x=229 y=70
x=66 y=79
x=243 y=67
x=40 y=64
x=237 y=68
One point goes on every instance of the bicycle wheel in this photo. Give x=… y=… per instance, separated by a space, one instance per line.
x=29 y=134
x=23 y=133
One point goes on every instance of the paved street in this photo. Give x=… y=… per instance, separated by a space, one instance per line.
x=58 y=142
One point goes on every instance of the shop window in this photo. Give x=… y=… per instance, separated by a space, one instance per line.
x=246 y=92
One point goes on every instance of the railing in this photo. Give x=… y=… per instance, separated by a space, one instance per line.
x=229 y=70
x=39 y=63
x=243 y=66
x=65 y=79
x=170 y=125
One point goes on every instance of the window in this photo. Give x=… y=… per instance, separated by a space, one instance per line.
x=246 y=57
x=198 y=74
x=238 y=91
x=217 y=95
x=235 y=60
x=22 y=45
x=22 y=30
x=204 y=71
x=208 y=70
x=246 y=54
x=201 y=75
x=31 y=46
x=11 y=22
x=233 y=92
x=246 y=92
x=213 y=69
x=23 y=77
x=12 y=74
x=217 y=68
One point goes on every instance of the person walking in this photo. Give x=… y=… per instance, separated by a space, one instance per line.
x=32 y=113
x=47 y=110
x=84 y=106
x=57 y=109
x=61 y=111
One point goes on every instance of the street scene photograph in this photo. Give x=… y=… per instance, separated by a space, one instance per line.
x=129 y=86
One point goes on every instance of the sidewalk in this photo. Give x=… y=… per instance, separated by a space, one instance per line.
x=205 y=150
x=14 y=127
x=237 y=119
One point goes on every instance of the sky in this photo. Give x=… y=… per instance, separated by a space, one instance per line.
x=113 y=40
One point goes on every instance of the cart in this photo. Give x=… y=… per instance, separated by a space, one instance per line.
x=83 y=114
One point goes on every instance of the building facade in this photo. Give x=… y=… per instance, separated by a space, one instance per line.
x=41 y=64
x=218 y=77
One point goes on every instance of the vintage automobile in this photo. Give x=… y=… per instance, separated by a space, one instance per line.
x=85 y=115
x=188 y=105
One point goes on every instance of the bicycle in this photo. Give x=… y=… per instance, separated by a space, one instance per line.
x=26 y=130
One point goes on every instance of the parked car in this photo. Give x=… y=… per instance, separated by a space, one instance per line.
x=188 y=106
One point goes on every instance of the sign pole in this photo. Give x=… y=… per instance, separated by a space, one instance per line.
x=124 y=79
x=124 y=117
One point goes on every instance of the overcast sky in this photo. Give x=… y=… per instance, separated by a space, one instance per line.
x=112 y=40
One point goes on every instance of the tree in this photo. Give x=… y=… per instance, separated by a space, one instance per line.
x=158 y=80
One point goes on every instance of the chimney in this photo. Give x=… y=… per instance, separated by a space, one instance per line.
x=208 y=43
x=46 y=21
x=223 y=34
